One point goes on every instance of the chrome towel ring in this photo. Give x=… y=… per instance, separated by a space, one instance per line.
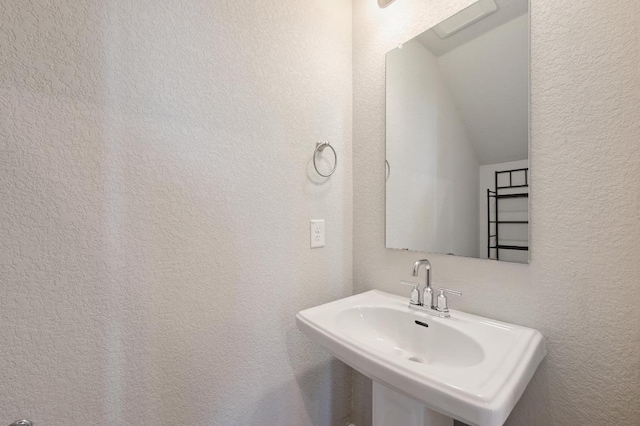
x=320 y=146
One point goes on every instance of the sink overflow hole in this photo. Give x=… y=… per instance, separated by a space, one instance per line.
x=424 y=324
x=415 y=359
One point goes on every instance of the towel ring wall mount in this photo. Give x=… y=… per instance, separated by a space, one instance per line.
x=320 y=146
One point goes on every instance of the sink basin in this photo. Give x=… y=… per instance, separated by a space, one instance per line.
x=467 y=367
x=433 y=343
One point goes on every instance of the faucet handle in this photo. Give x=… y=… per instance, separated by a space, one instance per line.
x=442 y=299
x=414 y=299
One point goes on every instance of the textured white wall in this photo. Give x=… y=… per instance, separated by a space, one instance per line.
x=155 y=197
x=424 y=131
x=582 y=288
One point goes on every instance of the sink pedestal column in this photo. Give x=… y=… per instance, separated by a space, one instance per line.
x=391 y=408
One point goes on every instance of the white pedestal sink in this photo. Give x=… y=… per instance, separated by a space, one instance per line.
x=428 y=370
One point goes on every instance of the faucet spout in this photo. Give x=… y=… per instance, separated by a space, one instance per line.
x=427 y=268
x=427 y=300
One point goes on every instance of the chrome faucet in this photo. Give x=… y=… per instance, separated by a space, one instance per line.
x=427 y=304
x=427 y=295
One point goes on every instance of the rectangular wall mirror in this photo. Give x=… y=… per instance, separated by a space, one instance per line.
x=457 y=138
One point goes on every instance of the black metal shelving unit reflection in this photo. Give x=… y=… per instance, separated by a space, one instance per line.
x=497 y=196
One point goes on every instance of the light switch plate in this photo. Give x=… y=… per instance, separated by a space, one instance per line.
x=317 y=233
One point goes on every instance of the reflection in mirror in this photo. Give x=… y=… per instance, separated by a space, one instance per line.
x=457 y=135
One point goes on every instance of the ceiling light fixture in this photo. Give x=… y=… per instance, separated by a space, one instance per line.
x=385 y=3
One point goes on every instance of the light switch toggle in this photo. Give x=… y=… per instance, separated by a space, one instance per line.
x=317 y=233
